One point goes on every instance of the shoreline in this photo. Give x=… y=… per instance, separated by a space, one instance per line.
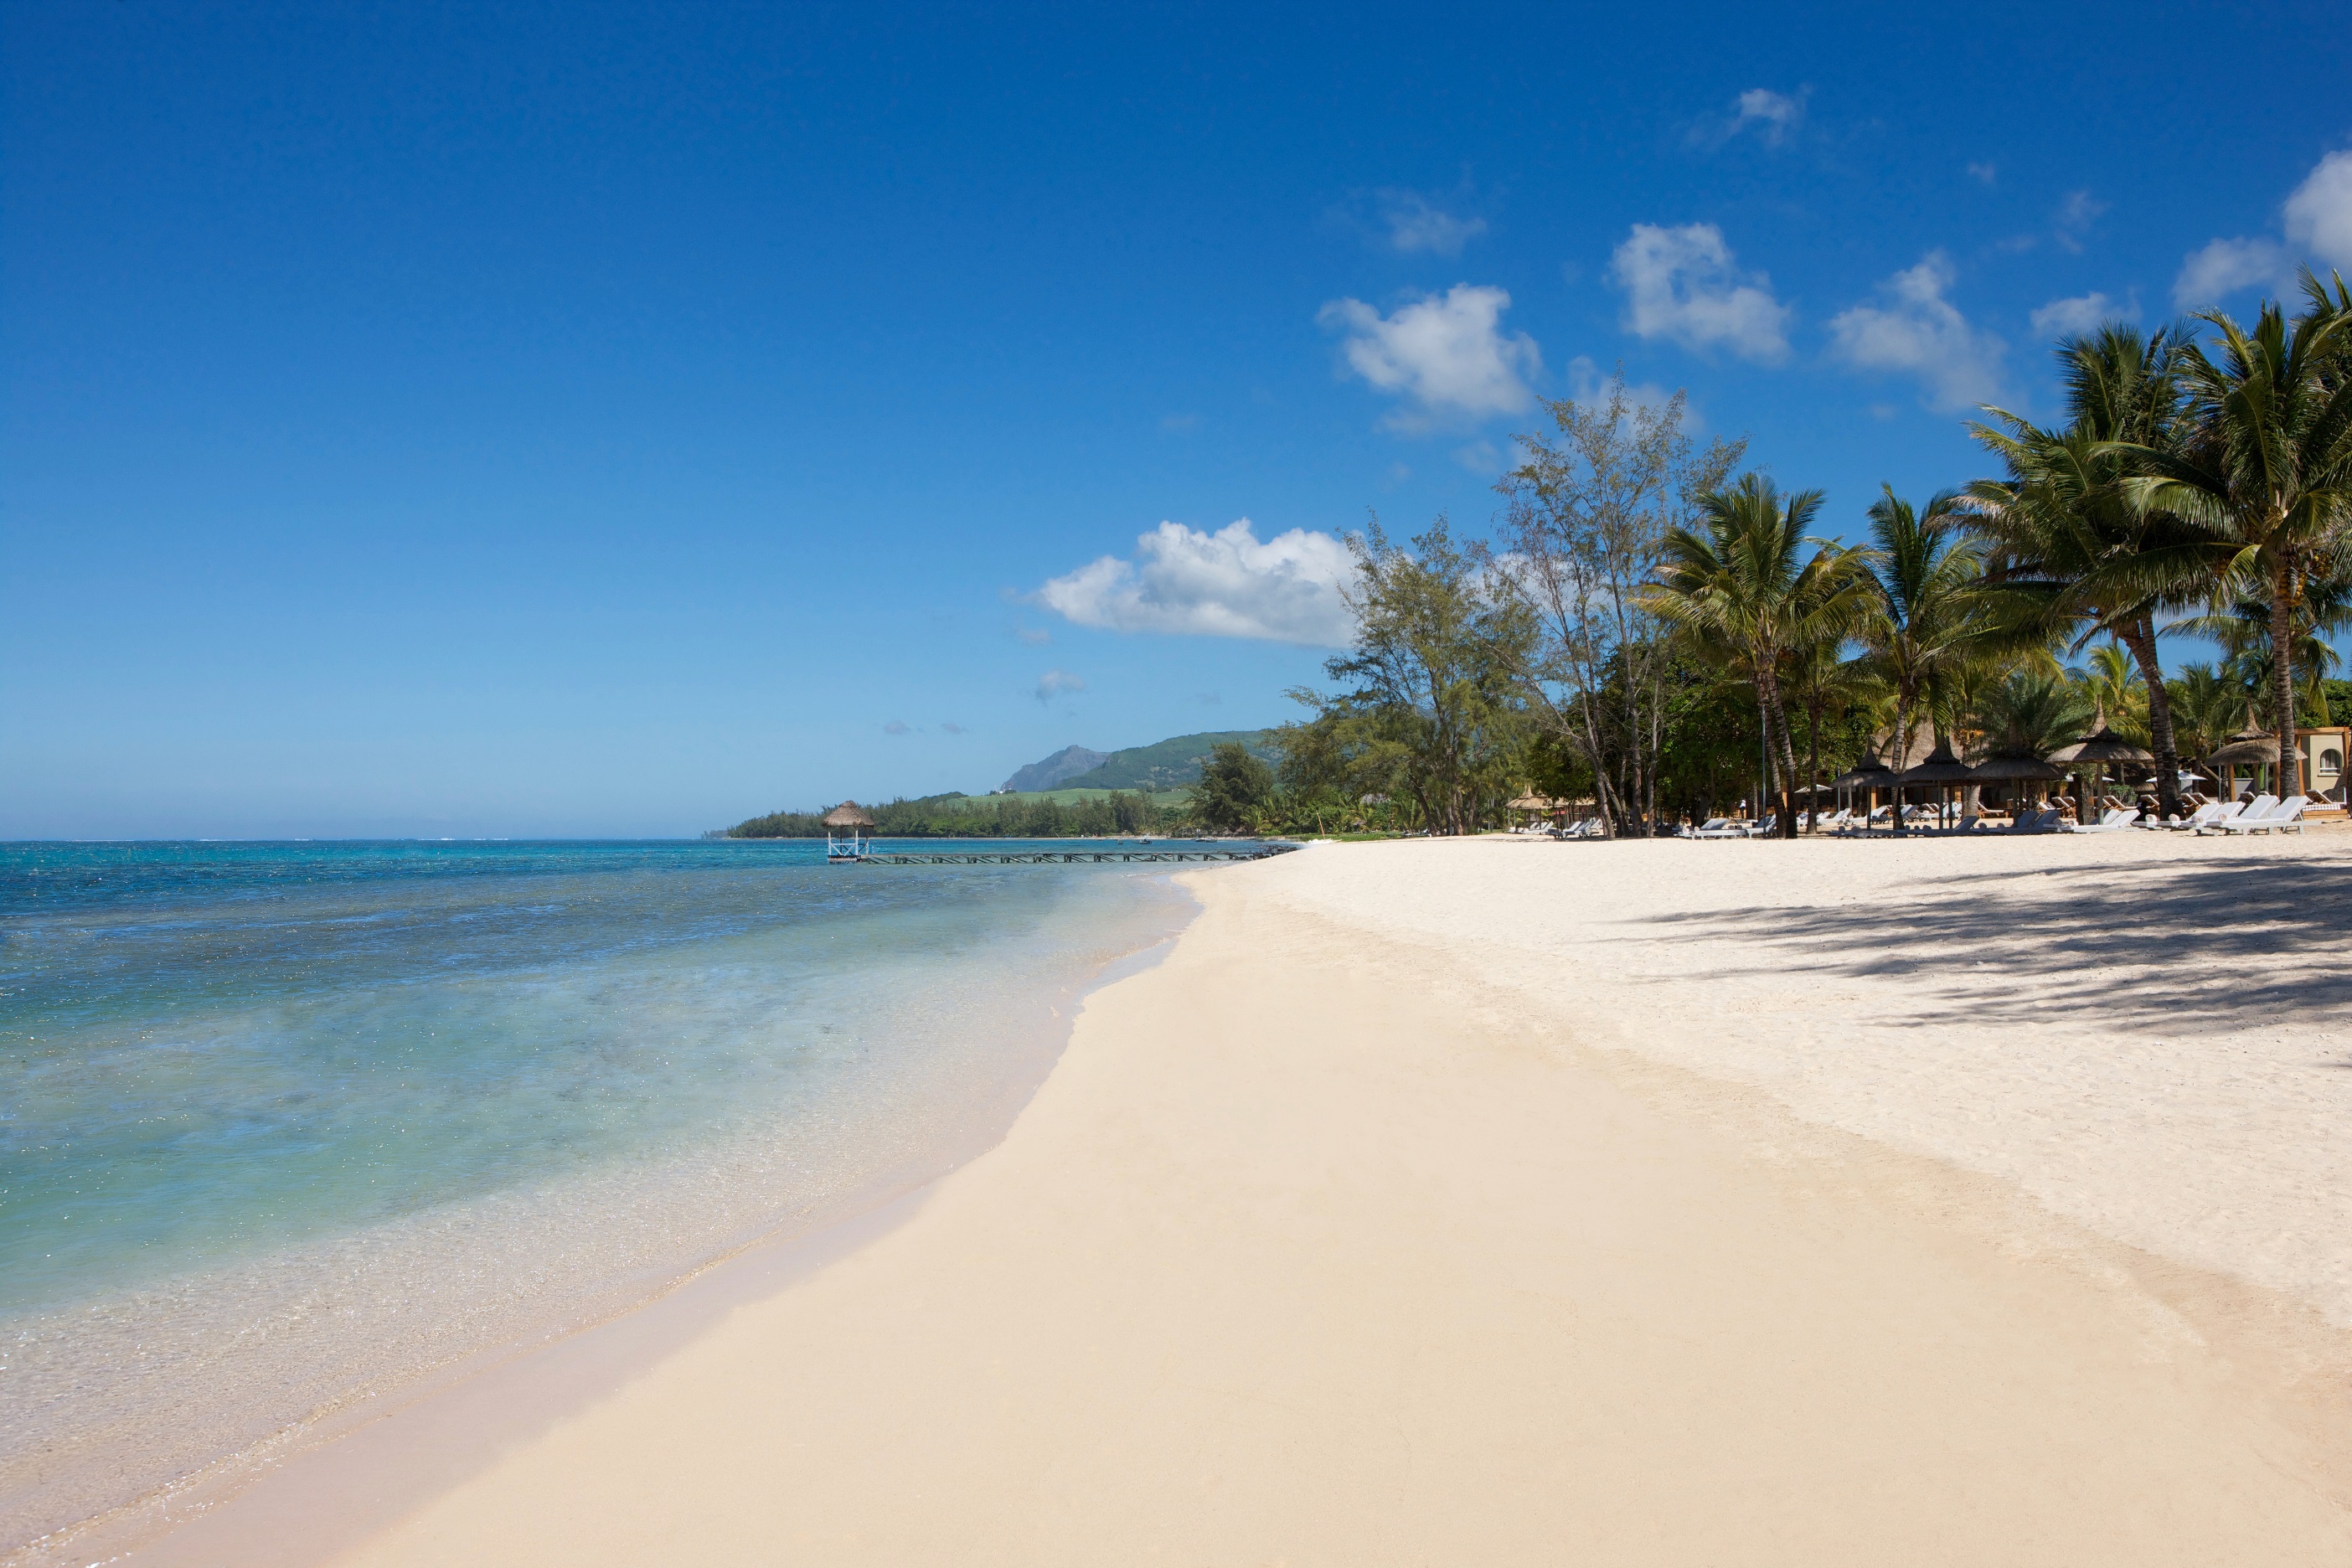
x=377 y=1450
x=1367 y=1226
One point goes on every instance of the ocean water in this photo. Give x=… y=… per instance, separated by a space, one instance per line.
x=283 y=1126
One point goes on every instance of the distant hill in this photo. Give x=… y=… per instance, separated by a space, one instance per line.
x=1168 y=764
x=1063 y=764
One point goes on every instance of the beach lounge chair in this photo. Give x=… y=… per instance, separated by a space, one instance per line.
x=1836 y=822
x=1719 y=827
x=2286 y=814
x=2205 y=816
x=2115 y=821
x=2030 y=820
x=2246 y=811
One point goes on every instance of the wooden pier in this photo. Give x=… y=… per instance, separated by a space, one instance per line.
x=1065 y=857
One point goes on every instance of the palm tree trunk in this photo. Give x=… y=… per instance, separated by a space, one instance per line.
x=1902 y=750
x=2141 y=640
x=1784 y=753
x=1813 y=764
x=2290 y=772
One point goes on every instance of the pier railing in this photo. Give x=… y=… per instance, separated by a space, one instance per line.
x=1068 y=856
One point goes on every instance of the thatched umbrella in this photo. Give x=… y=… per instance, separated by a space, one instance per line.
x=2250 y=747
x=2017 y=770
x=2102 y=747
x=1941 y=769
x=1869 y=774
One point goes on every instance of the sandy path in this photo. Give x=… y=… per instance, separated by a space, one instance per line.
x=1321 y=1247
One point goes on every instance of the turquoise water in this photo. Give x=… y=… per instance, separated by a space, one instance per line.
x=281 y=1123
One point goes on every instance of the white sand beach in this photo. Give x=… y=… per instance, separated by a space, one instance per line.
x=1509 y=1202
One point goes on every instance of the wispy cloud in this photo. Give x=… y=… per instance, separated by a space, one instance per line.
x=1681 y=283
x=1057 y=683
x=1228 y=584
x=1772 y=118
x=1447 y=352
x=1178 y=424
x=2081 y=313
x=1417 y=225
x=954 y=728
x=1912 y=328
x=1036 y=636
x=2075 y=217
x=1983 y=174
x=898 y=727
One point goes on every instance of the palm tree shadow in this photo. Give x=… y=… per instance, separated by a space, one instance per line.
x=2169 y=949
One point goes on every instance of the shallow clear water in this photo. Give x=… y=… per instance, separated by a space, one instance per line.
x=281 y=1123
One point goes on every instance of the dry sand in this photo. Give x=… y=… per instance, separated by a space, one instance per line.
x=1503 y=1202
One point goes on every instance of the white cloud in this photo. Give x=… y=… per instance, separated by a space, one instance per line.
x=2076 y=213
x=1055 y=682
x=1983 y=173
x=954 y=728
x=2318 y=217
x=1416 y=223
x=2226 y=265
x=1914 y=328
x=1447 y=349
x=1680 y=283
x=2080 y=314
x=1774 y=115
x=898 y=727
x=2319 y=212
x=1228 y=584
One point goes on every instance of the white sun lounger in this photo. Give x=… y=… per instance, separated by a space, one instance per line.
x=2252 y=810
x=2207 y=816
x=2115 y=821
x=2287 y=813
x=1720 y=828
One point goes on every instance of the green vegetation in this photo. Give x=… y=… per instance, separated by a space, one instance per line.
x=1169 y=766
x=1091 y=815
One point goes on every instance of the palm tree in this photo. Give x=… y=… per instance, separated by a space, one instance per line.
x=2242 y=630
x=1928 y=611
x=2267 y=471
x=1818 y=678
x=2031 y=714
x=2208 y=707
x=1748 y=596
x=2068 y=513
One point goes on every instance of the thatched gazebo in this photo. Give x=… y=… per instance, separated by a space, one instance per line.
x=2249 y=748
x=1870 y=774
x=2102 y=749
x=2017 y=770
x=1942 y=769
x=848 y=832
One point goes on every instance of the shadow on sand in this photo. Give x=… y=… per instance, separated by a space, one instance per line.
x=2169 y=948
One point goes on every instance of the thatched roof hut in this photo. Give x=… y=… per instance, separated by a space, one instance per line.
x=1940 y=768
x=2250 y=747
x=1867 y=774
x=2017 y=770
x=2105 y=746
x=849 y=814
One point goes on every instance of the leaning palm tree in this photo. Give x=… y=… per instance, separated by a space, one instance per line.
x=2068 y=514
x=2267 y=471
x=1928 y=610
x=1747 y=594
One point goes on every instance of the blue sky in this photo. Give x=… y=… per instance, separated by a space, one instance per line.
x=594 y=419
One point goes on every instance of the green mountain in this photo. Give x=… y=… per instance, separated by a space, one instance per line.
x=1168 y=764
